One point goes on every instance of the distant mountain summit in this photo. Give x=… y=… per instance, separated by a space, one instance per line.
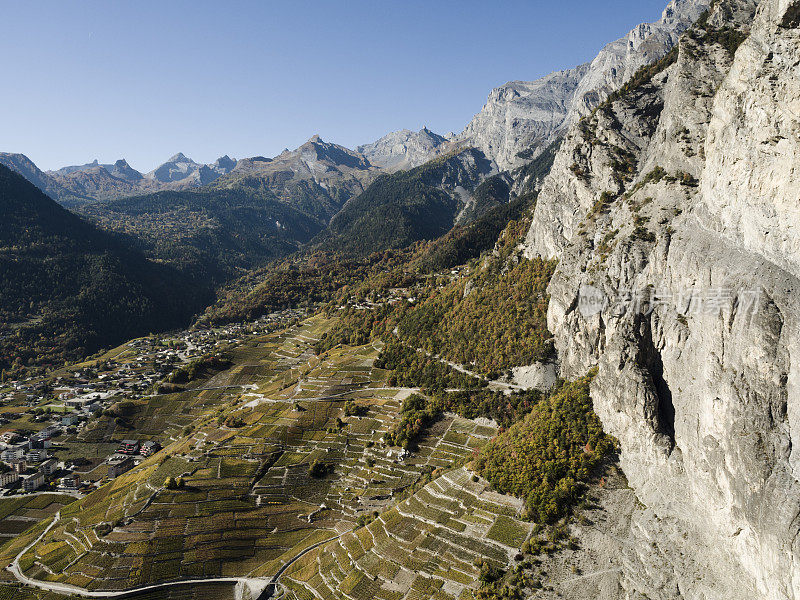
x=177 y=168
x=225 y=163
x=404 y=149
x=183 y=170
x=521 y=118
x=122 y=170
x=318 y=177
x=73 y=168
x=95 y=181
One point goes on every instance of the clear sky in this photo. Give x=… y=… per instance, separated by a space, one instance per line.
x=147 y=79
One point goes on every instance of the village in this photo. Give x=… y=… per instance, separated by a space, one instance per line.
x=45 y=422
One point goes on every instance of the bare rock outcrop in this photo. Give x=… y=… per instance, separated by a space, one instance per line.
x=521 y=118
x=405 y=149
x=672 y=211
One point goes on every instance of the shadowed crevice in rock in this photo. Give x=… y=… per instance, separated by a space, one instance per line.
x=651 y=362
x=792 y=16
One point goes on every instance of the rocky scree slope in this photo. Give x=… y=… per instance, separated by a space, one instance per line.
x=684 y=188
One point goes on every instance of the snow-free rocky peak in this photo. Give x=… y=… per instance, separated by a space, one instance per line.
x=123 y=170
x=180 y=168
x=521 y=118
x=404 y=149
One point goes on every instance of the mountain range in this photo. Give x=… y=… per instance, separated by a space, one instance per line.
x=213 y=222
x=78 y=184
x=519 y=120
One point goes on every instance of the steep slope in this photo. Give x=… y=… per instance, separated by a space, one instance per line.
x=67 y=289
x=51 y=186
x=401 y=208
x=521 y=118
x=670 y=210
x=404 y=149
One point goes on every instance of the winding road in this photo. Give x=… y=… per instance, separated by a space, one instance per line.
x=255 y=585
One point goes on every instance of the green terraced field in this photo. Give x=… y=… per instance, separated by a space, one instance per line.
x=424 y=547
x=19 y=513
x=249 y=503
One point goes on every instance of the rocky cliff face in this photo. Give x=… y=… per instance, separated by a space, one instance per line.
x=521 y=118
x=523 y=114
x=672 y=211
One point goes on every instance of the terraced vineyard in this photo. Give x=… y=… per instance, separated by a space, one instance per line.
x=425 y=547
x=19 y=513
x=267 y=465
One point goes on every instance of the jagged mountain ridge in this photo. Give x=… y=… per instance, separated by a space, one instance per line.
x=518 y=121
x=524 y=117
x=521 y=118
x=263 y=210
x=317 y=178
x=104 y=182
x=181 y=169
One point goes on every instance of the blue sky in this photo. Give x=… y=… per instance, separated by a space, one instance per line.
x=144 y=80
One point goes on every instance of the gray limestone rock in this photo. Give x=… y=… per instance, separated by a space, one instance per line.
x=677 y=203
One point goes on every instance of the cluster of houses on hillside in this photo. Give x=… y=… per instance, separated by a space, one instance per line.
x=65 y=404
x=27 y=463
x=125 y=458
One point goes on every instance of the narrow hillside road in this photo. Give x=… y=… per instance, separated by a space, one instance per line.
x=275 y=581
x=494 y=384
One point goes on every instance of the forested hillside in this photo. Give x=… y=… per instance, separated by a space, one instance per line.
x=319 y=276
x=211 y=234
x=405 y=207
x=67 y=289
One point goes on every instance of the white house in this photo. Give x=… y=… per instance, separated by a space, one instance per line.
x=33 y=482
x=7 y=479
